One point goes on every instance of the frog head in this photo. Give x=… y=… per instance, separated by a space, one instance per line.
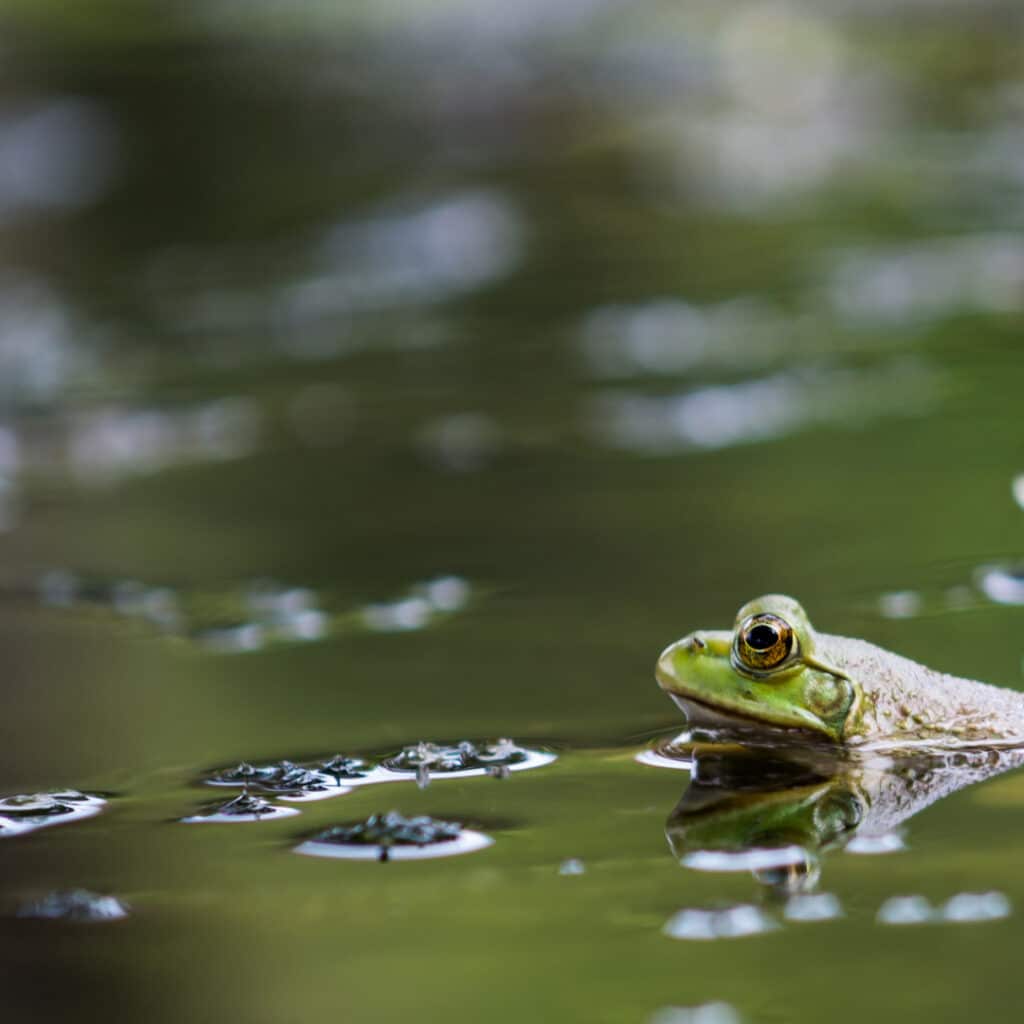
x=762 y=676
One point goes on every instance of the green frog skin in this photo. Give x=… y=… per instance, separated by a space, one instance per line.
x=774 y=677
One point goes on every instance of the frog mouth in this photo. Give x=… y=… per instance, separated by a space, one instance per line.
x=701 y=715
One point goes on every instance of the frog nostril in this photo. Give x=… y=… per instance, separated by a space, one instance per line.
x=697 y=642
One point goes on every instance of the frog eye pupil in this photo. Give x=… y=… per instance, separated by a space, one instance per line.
x=763 y=643
x=762 y=637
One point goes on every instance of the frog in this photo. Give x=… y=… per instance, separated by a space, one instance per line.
x=774 y=678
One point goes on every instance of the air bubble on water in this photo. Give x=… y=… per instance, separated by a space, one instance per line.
x=813 y=906
x=900 y=604
x=403 y=616
x=730 y=923
x=707 y=1013
x=1002 y=584
x=248 y=636
x=976 y=906
x=59 y=588
x=572 y=866
x=78 y=905
x=1018 y=490
x=905 y=910
x=447 y=593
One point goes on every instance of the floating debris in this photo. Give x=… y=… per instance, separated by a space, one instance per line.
x=341 y=767
x=464 y=759
x=905 y=910
x=976 y=906
x=813 y=906
x=282 y=778
x=391 y=836
x=730 y=923
x=78 y=905
x=1002 y=584
x=26 y=813
x=707 y=1013
x=244 y=807
x=572 y=866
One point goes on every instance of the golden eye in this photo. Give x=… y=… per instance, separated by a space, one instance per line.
x=764 y=642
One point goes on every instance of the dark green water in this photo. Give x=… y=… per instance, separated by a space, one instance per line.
x=623 y=317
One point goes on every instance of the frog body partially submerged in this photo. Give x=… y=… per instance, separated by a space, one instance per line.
x=773 y=675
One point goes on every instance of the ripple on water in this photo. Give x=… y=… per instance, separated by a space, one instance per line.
x=391 y=836
x=244 y=807
x=26 y=813
x=729 y=923
x=78 y=905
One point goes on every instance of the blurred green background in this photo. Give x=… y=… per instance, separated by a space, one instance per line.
x=623 y=312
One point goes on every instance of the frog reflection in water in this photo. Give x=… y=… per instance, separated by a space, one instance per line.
x=772 y=678
x=775 y=813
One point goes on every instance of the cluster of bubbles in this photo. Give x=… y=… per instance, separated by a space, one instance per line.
x=744 y=919
x=257 y=615
x=963 y=907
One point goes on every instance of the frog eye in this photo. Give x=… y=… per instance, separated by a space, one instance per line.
x=764 y=642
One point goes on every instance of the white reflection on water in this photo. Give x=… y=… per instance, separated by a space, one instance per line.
x=58 y=152
x=420 y=254
x=460 y=442
x=39 y=356
x=963 y=908
x=108 y=443
x=813 y=906
x=928 y=280
x=1002 y=584
x=761 y=409
x=794 y=110
x=707 y=1013
x=729 y=923
x=671 y=336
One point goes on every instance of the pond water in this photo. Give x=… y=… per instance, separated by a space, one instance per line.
x=400 y=373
